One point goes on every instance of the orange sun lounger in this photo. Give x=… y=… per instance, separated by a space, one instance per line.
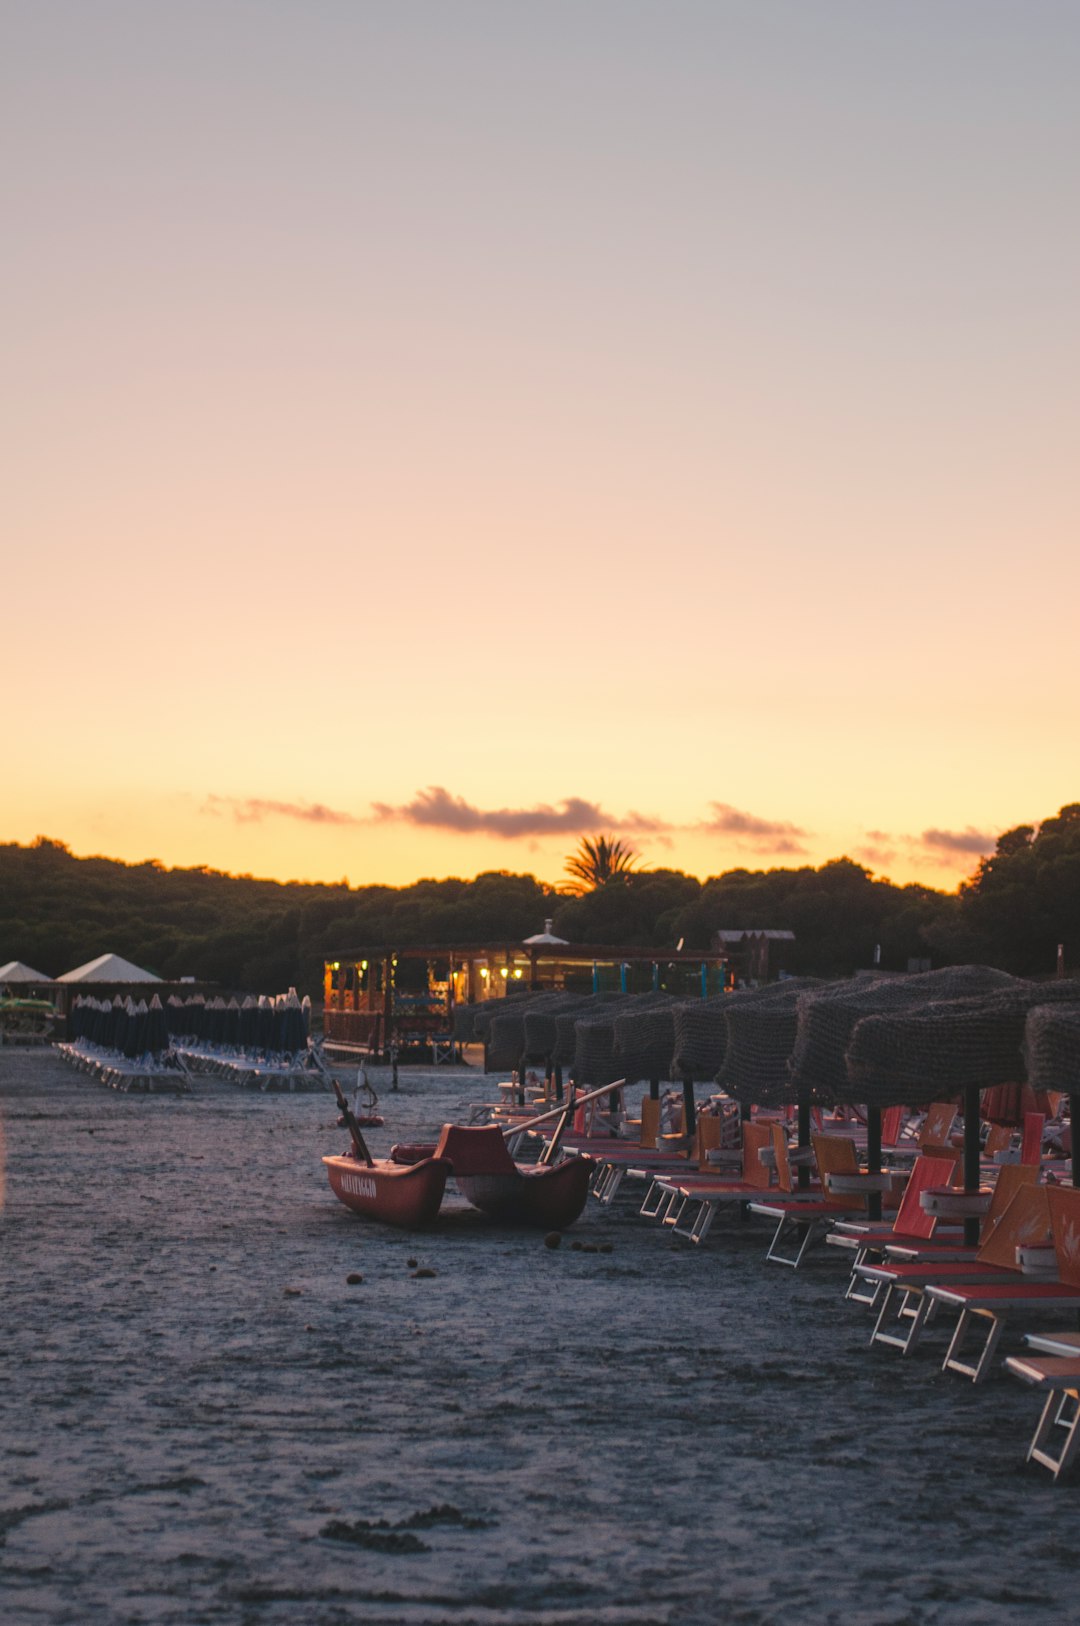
x=995 y=1303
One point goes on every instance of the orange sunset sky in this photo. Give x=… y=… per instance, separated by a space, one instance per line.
x=436 y=429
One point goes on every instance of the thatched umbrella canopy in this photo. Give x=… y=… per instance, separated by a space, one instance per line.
x=828 y=1017
x=944 y=1047
x=507 y=1034
x=645 y=1040
x=595 y=1060
x=541 y=1029
x=762 y=1024
x=565 y=1046
x=1052 y=1047
x=1052 y=1054
x=937 y=1050
x=700 y=1037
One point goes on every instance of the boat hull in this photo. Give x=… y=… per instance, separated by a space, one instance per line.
x=408 y=1195
x=550 y=1196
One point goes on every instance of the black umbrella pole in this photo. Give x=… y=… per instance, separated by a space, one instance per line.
x=804 y=1139
x=689 y=1109
x=873 y=1158
x=1074 y=1125
x=971 y=1159
x=558 y=1082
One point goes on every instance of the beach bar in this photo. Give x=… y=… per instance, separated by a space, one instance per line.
x=406 y=996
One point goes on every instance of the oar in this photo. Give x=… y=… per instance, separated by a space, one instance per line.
x=557 y=1112
x=348 y=1121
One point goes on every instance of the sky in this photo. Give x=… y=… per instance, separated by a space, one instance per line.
x=436 y=430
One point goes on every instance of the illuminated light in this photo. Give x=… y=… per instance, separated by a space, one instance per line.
x=363 y=965
x=335 y=965
x=503 y=973
x=517 y=973
x=484 y=972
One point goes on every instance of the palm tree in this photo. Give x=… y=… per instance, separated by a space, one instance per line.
x=598 y=861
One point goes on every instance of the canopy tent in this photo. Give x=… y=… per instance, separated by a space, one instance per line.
x=16 y=971
x=108 y=968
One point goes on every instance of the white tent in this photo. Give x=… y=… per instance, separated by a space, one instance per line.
x=16 y=971
x=108 y=968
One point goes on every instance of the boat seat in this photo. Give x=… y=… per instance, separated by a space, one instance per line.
x=479 y=1149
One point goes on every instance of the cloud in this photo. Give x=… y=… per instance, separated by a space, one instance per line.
x=761 y=835
x=944 y=849
x=435 y=807
x=959 y=841
x=252 y=810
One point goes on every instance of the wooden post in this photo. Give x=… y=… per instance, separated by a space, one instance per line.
x=388 y=998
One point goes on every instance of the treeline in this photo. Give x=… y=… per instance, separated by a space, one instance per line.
x=57 y=911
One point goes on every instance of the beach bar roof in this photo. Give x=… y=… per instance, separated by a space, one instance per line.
x=371 y=994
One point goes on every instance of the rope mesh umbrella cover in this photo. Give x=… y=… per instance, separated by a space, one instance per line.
x=700 y=1037
x=761 y=1027
x=595 y=1059
x=1052 y=1047
x=827 y=1019
x=926 y=1053
x=507 y=1030
x=564 y=1047
x=645 y=1040
x=540 y=1021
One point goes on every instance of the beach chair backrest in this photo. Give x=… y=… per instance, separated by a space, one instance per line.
x=835 y=1154
x=479 y=1149
x=938 y=1124
x=650 y=1122
x=783 y=1162
x=1031 y=1145
x=755 y=1137
x=1009 y=1181
x=1064 y=1202
x=1024 y=1224
x=998 y=1139
x=931 y=1148
x=891 y=1120
x=927 y=1171
x=710 y=1137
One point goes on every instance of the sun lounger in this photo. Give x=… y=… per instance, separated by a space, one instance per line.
x=912 y=1223
x=805 y=1217
x=689 y=1205
x=910 y=1302
x=993 y=1304
x=1058 y=1376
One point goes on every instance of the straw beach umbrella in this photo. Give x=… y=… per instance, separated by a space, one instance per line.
x=947 y=1047
x=1052 y=1054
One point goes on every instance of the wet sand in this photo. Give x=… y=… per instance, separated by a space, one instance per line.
x=200 y=1421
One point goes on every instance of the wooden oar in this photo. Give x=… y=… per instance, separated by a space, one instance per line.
x=556 y=1112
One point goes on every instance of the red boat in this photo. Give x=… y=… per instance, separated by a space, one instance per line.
x=551 y=1195
x=397 y=1193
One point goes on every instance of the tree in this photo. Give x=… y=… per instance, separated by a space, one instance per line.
x=598 y=861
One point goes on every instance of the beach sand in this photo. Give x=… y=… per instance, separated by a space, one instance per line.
x=201 y=1421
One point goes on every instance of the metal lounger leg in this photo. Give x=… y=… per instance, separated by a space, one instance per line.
x=981 y=1367
x=1062 y=1410
x=657 y=1199
x=861 y=1291
x=907 y=1338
